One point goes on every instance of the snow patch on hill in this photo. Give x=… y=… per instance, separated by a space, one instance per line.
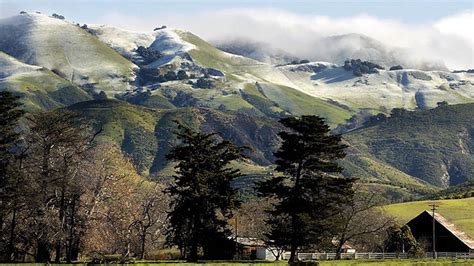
x=168 y=42
x=10 y=66
x=406 y=88
x=123 y=41
x=65 y=48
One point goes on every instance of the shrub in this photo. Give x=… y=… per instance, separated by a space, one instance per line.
x=182 y=75
x=204 y=83
x=397 y=67
x=148 y=55
x=170 y=75
x=441 y=104
x=360 y=67
x=57 y=16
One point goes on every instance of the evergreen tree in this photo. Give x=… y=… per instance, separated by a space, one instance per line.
x=308 y=195
x=10 y=113
x=203 y=198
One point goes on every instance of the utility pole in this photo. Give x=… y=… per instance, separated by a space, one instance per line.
x=237 y=249
x=434 y=206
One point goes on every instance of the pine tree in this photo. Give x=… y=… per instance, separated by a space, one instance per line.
x=203 y=198
x=308 y=194
x=10 y=113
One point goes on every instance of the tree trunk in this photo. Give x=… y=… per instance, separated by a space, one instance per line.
x=193 y=256
x=11 y=242
x=295 y=192
x=338 y=252
x=42 y=252
x=292 y=254
x=339 y=247
x=143 y=240
x=61 y=226
x=71 y=253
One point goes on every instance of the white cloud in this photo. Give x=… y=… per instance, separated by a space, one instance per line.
x=449 y=39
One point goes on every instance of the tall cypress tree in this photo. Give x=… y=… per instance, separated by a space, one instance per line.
x=308 y=193
x=203 y=198
x=10 y=113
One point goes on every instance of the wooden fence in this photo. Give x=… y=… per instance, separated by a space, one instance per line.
x=375 y=256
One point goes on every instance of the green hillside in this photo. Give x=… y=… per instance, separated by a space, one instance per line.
x=463 y=190
x=433 y=145
x=43 y=89
x=146 y=134
x=458 y=211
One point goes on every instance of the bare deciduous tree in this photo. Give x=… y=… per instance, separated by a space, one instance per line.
x=361 y=216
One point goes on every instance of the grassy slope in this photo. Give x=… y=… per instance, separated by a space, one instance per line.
x=433 y=145
x=66 y=48
x=463 y=190
x=388 y=181
x=298 y=103
x=458 y=211
x=146 y=135
x=42 y=89
x=282 y=97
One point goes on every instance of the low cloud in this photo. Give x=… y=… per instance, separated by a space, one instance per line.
x=449 y=39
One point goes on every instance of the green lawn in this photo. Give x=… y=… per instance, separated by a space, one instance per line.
x=322 y=263
x=458 y=211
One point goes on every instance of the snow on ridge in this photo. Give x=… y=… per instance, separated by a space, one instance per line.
x=168 y=42
x=122 y=40
x=10 y=66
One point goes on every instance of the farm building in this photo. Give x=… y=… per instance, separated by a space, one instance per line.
x=448 y=238
x=254 y=249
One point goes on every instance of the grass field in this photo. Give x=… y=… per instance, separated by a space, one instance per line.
x=458 y=211
x=263 y=263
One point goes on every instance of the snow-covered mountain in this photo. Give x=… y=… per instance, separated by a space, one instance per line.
x=125 y=64
x=262 y=52
x=65 y=49
x=156 y=77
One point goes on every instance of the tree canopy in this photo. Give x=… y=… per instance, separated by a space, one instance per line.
x=203 y=198
x=309 y=196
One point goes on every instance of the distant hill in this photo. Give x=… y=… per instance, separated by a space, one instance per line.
x=146 y=134
x=460 y=191
x=336 y=49
x=66 y=50
x=434 y=145
x=460 y=212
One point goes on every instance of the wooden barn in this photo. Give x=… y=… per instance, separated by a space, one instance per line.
x=448 y=238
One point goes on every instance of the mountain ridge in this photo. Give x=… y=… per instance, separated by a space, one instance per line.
x=141 y=81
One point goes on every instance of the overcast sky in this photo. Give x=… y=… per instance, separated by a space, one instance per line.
x=441 y=29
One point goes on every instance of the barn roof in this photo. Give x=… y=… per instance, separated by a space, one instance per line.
x=463 y=237
x=249 y=241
